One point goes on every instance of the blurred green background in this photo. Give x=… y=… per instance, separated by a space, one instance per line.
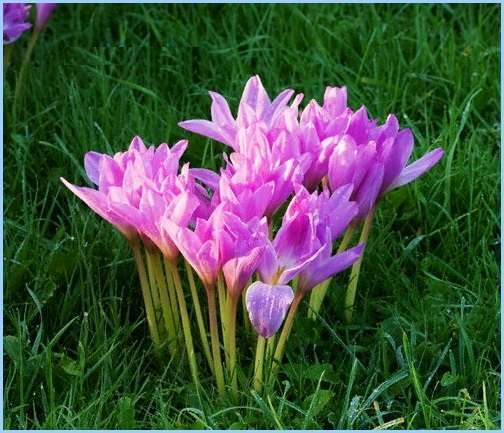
x=424 y=349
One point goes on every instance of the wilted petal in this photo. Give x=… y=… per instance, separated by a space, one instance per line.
x=267 y=306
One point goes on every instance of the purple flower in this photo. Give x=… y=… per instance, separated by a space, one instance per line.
x=373 y=158
x=139 y=188
x=15 y=16
x=44 y=11
x=260 y=165
x=310 y=225
x=255 y=107
x=204 y=247
x=242 y=251
x=267 y=306
x=325 y=265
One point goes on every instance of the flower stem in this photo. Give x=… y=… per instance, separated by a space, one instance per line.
x=186 y=326
x=231 y=328
x=214 y=333
x=144 y=284
x=156 y=302
x=172 y=295
x=246 y=319
x=317 y=295
x=166 y=308
x=22 y=70
x=199 y=315
x=259 y=362
x=6 y=57
x=354 y=275
x=223 y=315
x=279 y=351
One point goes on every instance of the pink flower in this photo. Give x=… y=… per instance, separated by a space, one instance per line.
x=255 y=106
x=302 y=247
x=203 y=247
x=243 y=250
x=139 y=188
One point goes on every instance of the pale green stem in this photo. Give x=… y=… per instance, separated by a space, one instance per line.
x=284 y=335
x=318 y=293
x=214 y=334
x=354 y=275
x=270 y=349
x=6 y=57
x=223 y=314
x=199 y=315
x=186 y=325
x=246 y=318
x=22 y=70
x=259 y=362
x=165 y=302
x=156 y=302
x=144 y=284
x=173 y=295
x=231 y=328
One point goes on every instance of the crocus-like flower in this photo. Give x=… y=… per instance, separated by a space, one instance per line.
x=203 y=247
x=15 y=16
x=138 y=188
x=255 y=106
x=242 y=250
x=260 y=165
x=44 y=11
x=267 y=305
x=302 y=247
x=373 y=158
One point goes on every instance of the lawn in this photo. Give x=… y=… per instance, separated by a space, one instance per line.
x=424 y=348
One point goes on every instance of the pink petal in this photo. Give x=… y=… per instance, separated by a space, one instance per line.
x=205 y=128
x=98 y=202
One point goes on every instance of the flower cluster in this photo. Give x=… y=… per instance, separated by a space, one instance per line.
x=263 y=229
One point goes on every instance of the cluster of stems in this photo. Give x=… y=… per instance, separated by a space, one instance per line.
x=168 y=316
x=318 y=293
x=170 y=325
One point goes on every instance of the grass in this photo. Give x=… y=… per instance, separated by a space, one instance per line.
x=424 y=348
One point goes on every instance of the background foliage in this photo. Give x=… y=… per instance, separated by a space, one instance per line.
x=424 y=349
